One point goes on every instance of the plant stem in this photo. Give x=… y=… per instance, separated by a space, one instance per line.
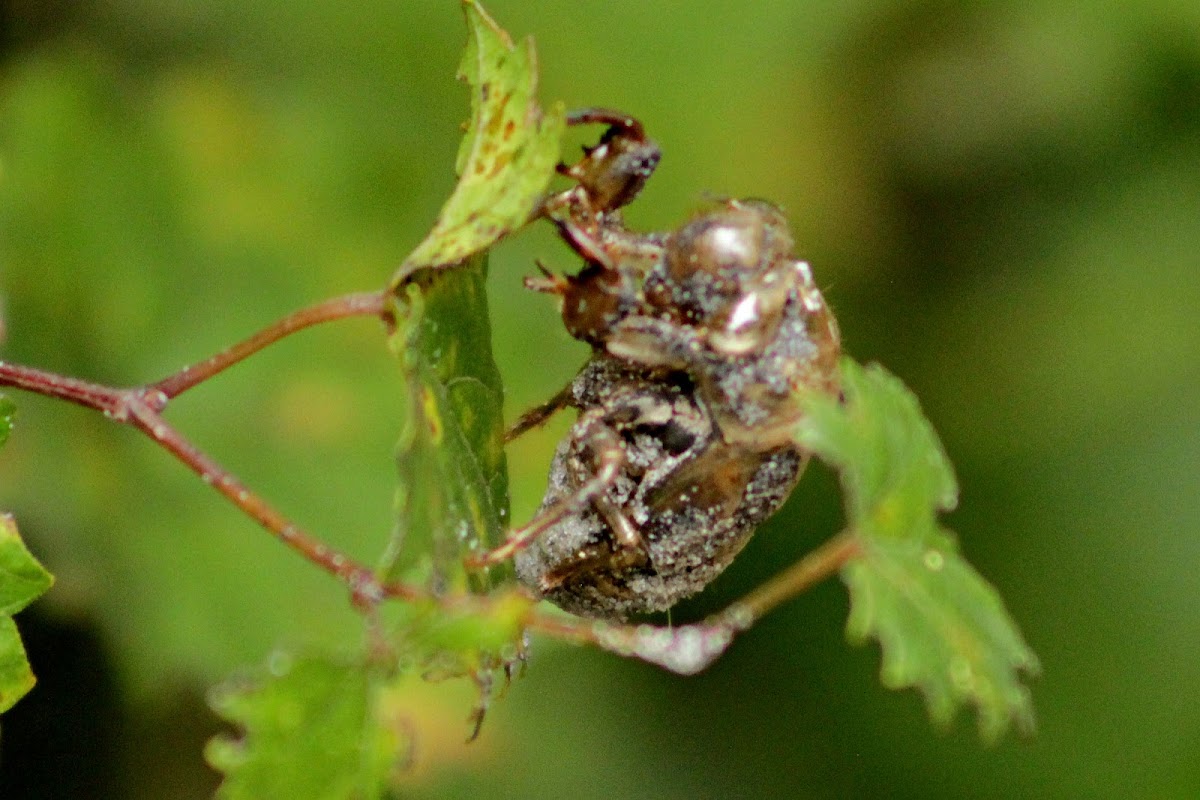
x=91 y=395
x=688 y=649
x=361 y=304
x=809 y=570
x=140 y=407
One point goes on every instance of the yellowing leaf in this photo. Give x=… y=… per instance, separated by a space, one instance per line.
x=453 y=492
x=507 y=157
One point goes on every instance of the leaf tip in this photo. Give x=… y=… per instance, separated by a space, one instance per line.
x=472 y=7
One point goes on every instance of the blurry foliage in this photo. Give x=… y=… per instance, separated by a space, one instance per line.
x=22 y=580
x=942 y=628
x=1000 y=200
x=507 y=156
x=316 y=714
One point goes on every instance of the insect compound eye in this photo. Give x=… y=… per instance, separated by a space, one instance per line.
x=736 y=242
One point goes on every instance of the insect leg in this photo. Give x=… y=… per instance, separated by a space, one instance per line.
x=607 y=116
x=609 y=459
x=628 y=549
x=540 y=414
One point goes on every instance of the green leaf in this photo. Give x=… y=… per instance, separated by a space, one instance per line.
x=319 y=728
x=942 y=628
x=507 y=157
x=464 y=639
x=22 y=580
x=453 y=494
x=893 y=468
x=313 y=729
x=315 y=726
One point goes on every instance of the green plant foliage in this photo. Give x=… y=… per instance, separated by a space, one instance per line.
x=313 y=729
x=454 y=637
x=453 y=490
x=317 y=728
x=942 y=628
x=22 y=580
x=507 y=157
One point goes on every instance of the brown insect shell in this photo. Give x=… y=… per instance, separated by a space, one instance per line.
x=602 y=294
x=725 y=272
x=729 y=306
x=609 y=176
x=754 y=398
x=691 y=528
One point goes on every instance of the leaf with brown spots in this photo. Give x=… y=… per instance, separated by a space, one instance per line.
x=506 y=158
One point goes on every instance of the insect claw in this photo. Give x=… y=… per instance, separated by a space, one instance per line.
x=549 y=283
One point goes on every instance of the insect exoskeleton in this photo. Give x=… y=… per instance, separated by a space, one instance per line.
x=730 y=306
x=727 y=273
x=704 y=339
x=661 y=531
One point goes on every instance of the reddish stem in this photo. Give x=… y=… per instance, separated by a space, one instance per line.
x=141 y=407
x=92 y=395
x=362 y=304
x=688 y=649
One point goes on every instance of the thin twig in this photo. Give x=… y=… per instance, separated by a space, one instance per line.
x=361 y=304
x=140 y=407
x=813 y=568
x=73 y=390
x=688 y=649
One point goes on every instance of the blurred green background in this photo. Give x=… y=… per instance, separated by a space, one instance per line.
x=1001 y=200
